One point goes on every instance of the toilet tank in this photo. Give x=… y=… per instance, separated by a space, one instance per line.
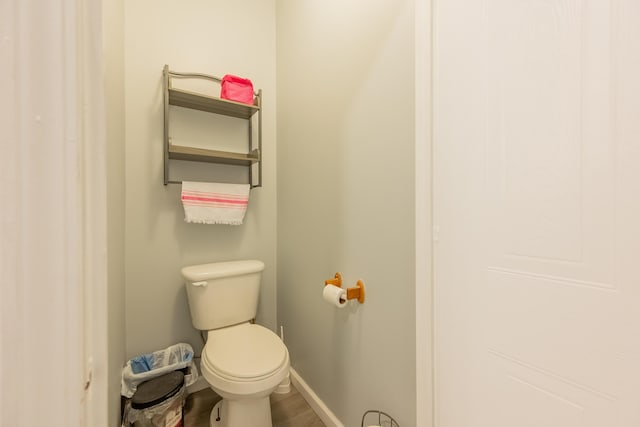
x=222 y=294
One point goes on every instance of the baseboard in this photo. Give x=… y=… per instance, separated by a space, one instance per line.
x=314 y=401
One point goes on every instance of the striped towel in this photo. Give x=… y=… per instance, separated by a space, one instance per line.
x=212 y=203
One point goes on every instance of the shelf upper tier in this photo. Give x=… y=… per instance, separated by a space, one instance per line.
x=179 y=152
x=196 y=101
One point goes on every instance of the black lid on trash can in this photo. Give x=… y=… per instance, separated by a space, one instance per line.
x=157 y=390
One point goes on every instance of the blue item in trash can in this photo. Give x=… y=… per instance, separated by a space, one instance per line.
x=142 y=363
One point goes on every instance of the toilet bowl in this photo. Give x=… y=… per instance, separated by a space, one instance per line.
x=243 y=362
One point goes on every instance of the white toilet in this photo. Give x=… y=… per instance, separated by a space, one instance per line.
x=242 y=362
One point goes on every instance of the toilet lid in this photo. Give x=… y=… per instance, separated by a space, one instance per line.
x=244 y=351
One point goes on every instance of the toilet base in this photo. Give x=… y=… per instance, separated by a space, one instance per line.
x=242 y=413
x=215 y=419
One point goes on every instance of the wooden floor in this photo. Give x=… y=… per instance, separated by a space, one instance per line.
x=287 y=410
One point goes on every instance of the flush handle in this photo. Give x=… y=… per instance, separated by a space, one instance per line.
x=199 y=283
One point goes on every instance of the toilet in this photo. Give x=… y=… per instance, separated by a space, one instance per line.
x=243 y=362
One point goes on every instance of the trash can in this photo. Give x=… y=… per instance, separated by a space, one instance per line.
x=159 y=401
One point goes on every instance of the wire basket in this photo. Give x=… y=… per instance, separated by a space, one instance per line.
x=377 y=418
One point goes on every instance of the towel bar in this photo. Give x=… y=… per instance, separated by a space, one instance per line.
x=180 y=182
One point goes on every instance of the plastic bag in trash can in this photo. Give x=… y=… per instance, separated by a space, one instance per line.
x=147 y=366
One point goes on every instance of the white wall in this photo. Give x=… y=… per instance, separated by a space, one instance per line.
x=113 y=46
x=346 y=200
x=212 y=37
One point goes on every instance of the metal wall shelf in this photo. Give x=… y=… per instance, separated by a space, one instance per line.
x=210 y=104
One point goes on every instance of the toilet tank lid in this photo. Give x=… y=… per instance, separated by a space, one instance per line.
x=216 y=270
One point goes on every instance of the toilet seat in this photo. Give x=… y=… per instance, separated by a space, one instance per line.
x=244 y=353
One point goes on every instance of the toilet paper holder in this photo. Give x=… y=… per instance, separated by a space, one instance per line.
x=357 y=292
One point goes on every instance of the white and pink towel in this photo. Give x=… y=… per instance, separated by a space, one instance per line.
x=213 y=203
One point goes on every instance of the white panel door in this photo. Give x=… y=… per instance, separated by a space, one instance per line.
x=537 y=213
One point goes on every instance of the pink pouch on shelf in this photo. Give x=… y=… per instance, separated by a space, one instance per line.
x=237 y=89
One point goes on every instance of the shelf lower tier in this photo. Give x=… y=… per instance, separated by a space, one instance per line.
x=177 y=152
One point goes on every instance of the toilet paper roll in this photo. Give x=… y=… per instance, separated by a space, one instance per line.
x=335 y=295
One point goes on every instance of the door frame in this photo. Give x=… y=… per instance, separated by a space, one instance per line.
x=55 y=275
x=423 y=214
